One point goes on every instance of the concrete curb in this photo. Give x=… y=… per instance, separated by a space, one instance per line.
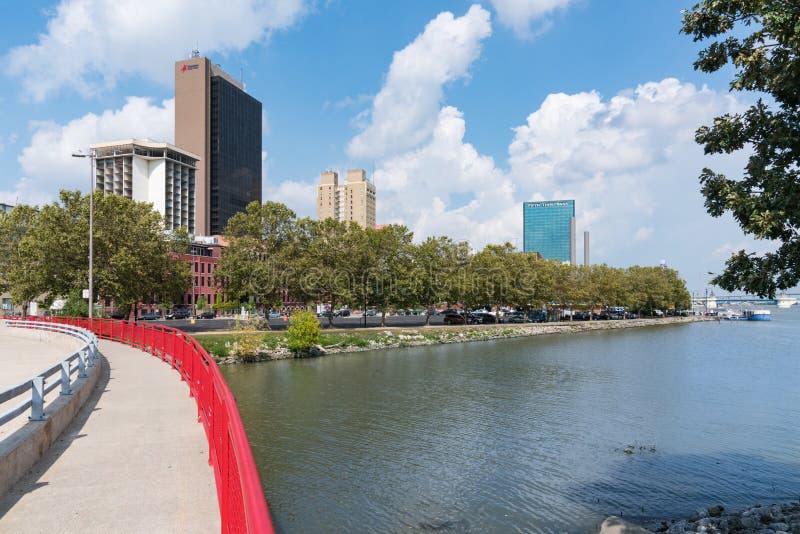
x=21 y=450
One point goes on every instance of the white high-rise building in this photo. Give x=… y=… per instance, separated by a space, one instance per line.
x=149 y=171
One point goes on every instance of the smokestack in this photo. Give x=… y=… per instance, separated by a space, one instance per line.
x=586 y=247
x=572 y=241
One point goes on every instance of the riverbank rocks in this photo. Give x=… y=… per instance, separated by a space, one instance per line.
x=773 y=519
x=441 y=335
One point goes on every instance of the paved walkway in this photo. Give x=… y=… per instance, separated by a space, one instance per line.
x=134 y=460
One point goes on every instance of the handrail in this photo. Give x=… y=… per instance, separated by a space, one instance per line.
x=86 y=355
x=243 y=507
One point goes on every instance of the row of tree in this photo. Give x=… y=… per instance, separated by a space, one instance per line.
x=44 y=253
x=272 y=251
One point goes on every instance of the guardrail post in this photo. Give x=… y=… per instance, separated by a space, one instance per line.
x=92 y=354
x=65 y=389
x=37 y=401
x=82 y=355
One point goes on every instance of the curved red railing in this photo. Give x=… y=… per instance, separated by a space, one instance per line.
x=242 y=505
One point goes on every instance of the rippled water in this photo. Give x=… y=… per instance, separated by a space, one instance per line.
x=527 y=435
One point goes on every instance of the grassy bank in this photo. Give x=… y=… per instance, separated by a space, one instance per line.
x=272 y=345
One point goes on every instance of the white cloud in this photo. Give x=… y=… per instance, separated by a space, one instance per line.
x=404 y=112
x=89 y=44
x=48 y=163
x=630 y=162
x=643 y=233
x=300 y=196
x=520 y=14
x=26 y=191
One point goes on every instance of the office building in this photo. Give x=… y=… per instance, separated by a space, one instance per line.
x=352 y=201
x=5 y=208
x=549 y=229
x=217 y=120
x=149 y=171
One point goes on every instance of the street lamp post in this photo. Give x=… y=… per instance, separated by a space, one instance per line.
x=90 y=155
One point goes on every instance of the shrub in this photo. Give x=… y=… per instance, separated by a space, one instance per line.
x=248 y=341
x=303 y=331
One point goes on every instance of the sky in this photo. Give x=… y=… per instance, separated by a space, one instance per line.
x=459 y=111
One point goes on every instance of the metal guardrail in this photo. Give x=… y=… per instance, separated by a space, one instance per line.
x=38 y=386
x=242 y=505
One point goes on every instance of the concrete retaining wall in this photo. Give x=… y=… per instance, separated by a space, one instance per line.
x=22 y=449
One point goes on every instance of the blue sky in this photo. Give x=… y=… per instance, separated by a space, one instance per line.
x=463 y=109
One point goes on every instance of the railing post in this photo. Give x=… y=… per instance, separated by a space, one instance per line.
x=92 y=355
x=65 y=389
x=82 y=356
x=37 y=400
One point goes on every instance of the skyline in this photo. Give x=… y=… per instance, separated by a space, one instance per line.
x=464 y=110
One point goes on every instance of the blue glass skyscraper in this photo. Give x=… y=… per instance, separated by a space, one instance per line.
x=549 y=229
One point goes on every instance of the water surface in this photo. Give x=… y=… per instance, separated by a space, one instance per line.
x=528 y=435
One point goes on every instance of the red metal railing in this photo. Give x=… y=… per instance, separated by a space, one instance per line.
x=242 y=505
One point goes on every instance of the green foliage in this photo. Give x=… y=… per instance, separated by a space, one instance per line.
x=256 y=264
x=201 y=303
x=75 y=305
x=248 y=341
x=134 y=259
x=761 y=40
x=19 y=272
x=303 y=331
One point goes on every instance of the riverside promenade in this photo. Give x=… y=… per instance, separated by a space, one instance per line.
x=135 y=459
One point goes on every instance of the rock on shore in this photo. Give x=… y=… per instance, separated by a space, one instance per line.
x=420 y=336
x=773 y=519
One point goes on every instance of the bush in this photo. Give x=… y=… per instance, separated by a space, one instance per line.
x=248 y=341
x=303 y=331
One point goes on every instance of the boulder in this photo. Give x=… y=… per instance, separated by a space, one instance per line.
x=715 y=511
x=616 y=525
x=316 y=350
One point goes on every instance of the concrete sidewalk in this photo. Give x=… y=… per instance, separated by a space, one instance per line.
x=134 y=460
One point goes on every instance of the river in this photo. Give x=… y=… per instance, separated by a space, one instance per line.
x=529 y=434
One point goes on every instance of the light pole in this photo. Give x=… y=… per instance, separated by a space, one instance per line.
x=90 y=155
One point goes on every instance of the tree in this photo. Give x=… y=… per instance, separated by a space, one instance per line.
x=765 y=201
x=387 y=276
x=329 y=247
x=491 y=277
x=256 y=262
x=431 y=259
x=134 y=258
x=19 y=272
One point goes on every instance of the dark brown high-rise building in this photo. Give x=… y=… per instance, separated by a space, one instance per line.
x=217 y=120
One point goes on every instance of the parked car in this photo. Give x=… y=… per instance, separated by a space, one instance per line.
x=342 y=313
x=274 y=315
x=206 y=315
x=152 y=316
x=325 y=313
x=483 y=318
x=179 y=314
x=457 y=318
x=515 y=318
x=371 y=313
x=118 y=315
